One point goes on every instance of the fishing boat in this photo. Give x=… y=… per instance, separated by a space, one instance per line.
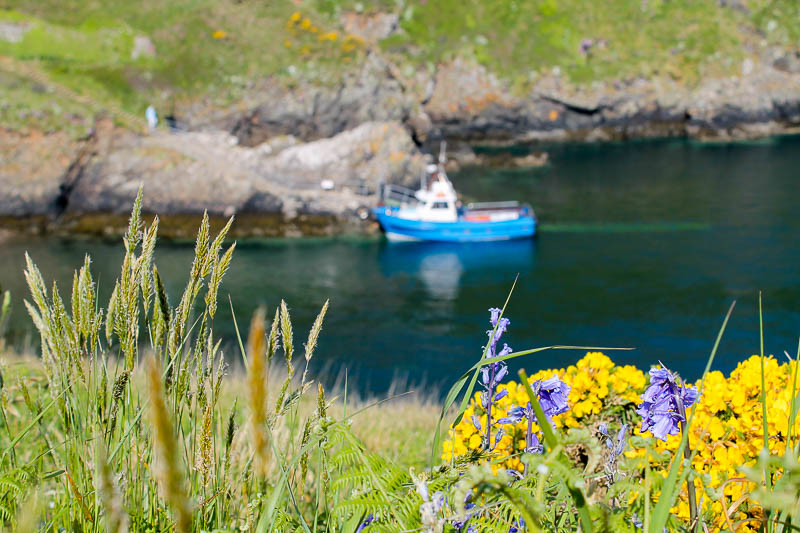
x=434 y=213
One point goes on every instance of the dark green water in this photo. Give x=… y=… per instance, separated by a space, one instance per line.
x=642 y=245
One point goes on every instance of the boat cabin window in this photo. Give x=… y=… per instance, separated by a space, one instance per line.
x=439 y=205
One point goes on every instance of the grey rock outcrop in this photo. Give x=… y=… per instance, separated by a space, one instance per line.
x=469 y=103
x=32 y=168
x=193 y=172
x=311 y=111
x=462 y=100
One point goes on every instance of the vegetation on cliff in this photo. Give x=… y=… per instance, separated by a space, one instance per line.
x=119 y=57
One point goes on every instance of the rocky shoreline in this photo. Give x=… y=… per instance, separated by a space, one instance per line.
x=274 y=189
x=265 y=160
x=462 y=101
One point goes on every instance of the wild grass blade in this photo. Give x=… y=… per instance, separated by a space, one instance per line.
x=33 y=422
x=242 y=351
x=767 y=477
x=795 y=395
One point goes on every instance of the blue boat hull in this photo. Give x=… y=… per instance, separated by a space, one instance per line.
x=461 y=231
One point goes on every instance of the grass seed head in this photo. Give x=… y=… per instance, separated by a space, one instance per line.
x=170 y=471
x=257 y=377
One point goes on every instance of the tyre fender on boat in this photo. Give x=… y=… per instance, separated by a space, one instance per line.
x=363 y=212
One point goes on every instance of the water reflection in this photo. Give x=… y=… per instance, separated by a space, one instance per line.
x=442 y=267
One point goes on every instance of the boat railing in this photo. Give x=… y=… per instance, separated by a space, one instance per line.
x=397 y=195
x=492 y=206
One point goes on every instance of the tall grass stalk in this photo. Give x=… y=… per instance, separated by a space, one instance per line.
x=166 y=447
x=257 y=379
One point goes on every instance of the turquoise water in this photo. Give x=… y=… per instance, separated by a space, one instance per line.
x=642 y=245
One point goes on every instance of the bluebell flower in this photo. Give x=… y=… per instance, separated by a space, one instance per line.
x=491 y=375
x=499 y=325
x=514 y=415
x=664 y=404
x=365 y=523
x=514 y=474
x=476 y=422
x=553 y=395
x=430 y=510
x=616 y=446
x=519 y=525
x=468 y=508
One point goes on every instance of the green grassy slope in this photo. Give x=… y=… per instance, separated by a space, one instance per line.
x=216 y=50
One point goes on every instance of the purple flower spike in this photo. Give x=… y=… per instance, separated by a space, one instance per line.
x=553 y=395
x=616 y=445
x=532 y=444
x=690 y=396
x=485 y=376
x=619 y=446
x=365 y=523
x=476 y=422
x=664 y=404
x=498 y=437
x=493 y=373
x=514 y=415
x=501 y=374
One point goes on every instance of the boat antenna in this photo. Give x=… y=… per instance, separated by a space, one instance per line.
x=443 y=152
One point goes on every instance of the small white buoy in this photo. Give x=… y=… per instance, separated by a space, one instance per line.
x=327 y=185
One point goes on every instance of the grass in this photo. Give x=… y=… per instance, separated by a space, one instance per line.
x=219 y=52
x=400 y=427
x=30 y=106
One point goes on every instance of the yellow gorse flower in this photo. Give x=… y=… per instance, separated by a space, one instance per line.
x=331 y=36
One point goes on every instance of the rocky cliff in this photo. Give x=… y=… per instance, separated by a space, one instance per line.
x=461 y=100
x=278 y=182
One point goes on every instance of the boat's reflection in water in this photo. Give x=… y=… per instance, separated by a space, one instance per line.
x=442 y=268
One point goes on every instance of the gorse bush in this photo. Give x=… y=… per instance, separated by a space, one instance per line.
x=135 y=423
x=727 y=433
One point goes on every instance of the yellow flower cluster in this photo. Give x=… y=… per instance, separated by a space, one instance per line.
x=309 y=37
x=598 y=386
x=727 y=430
